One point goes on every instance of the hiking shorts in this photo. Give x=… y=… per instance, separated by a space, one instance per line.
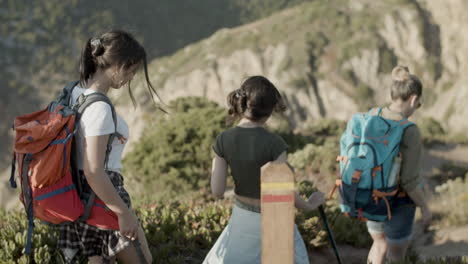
x=397 y=230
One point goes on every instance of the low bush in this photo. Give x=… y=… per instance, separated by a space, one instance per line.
x=174 y=156
x=452 y=202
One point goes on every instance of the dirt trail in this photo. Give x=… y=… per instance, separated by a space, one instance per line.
x=438 y=155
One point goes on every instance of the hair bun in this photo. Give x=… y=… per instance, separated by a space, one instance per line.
x=400 y=73
x=97 y=47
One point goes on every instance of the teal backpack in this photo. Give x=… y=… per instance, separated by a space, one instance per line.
x=369 y=165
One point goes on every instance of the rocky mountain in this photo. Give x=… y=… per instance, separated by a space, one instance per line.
x=332 y=58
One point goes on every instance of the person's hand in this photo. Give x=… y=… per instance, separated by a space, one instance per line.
x=426 y=216
x=128 y=223
x=315 y=200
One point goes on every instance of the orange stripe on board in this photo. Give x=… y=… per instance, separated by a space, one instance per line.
x=277 y=198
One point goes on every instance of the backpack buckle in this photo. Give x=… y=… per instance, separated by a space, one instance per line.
x=375 y=169
x=356 y=176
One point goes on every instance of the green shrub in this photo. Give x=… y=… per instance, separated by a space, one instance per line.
x=173 y=158
x=325 y=128
x=14 y=228
x=316 y=158
x=184 y=232
x=318 y=133
x=176 y=233
x=345 y=230
x=431 y=130
x=452 y=202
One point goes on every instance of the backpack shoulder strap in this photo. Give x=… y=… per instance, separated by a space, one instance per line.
x=65 y=94
x=405 y=123
x=375 y=111
x=86 y=100
x=83 y=102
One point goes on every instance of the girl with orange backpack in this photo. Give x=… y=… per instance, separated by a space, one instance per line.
x=109 y=61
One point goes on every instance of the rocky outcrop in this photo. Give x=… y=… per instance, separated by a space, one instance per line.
x=351 y=68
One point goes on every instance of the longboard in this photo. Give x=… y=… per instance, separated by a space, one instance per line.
x=277 y=212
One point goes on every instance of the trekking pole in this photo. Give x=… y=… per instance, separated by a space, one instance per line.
x=141 y=255
x=330 y=235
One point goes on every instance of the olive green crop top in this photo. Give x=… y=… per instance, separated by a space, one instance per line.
x=246 y=150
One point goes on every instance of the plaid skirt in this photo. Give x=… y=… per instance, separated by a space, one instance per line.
x=80 y=239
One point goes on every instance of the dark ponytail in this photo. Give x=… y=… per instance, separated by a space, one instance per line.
x=256 y=99
x=237 y=101
x=87 y=64
x=115 y=47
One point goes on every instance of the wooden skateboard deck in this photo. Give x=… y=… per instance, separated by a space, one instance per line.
x=277 y=211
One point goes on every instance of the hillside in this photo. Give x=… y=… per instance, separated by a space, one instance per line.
x=331 y=58
x=41 y=40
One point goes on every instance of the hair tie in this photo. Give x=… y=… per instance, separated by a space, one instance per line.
x=240 y=93
x=96 y=42
x=97 y=47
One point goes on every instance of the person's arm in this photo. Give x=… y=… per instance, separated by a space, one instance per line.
x=218 y=176
x=418 y=198
x=316 y=199
x=411 y=150
x=99 y=181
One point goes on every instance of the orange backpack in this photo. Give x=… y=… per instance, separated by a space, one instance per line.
x=51 y=185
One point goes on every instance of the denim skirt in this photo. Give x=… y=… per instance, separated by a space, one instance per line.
x=240 y=242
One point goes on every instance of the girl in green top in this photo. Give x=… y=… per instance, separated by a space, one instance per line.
x=245 y=148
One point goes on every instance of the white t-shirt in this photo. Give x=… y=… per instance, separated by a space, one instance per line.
x=97 y=120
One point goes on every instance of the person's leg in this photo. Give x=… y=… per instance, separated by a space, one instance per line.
x=398 y=232
x=378 y=250
x=397 y=251
x=300 y=250
x=95 y=260
x=128 y=255
x=379 y=246
x=240 y=241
